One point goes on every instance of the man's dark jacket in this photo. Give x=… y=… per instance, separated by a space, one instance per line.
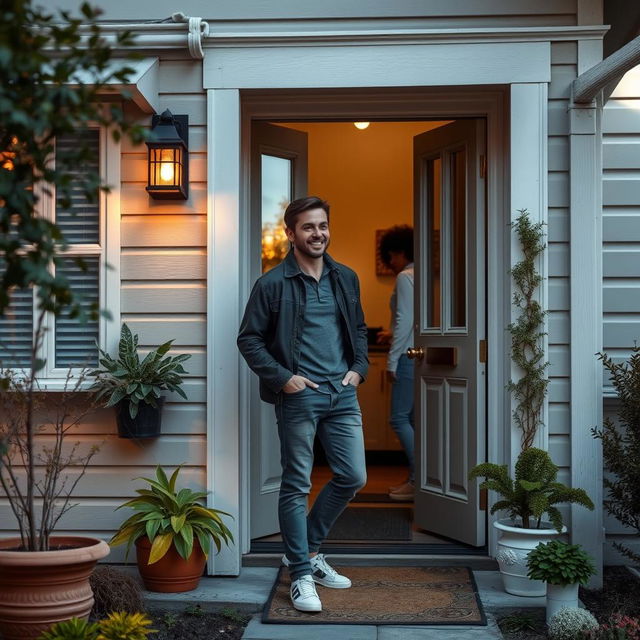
x=269 y=337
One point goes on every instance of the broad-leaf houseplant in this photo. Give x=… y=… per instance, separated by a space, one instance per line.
x=172 y=531
x=564 y=567
x=133 y=386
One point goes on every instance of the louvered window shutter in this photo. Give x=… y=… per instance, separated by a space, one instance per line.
x=75 y=342
x=16 y=331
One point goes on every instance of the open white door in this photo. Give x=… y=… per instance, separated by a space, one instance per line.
x=278 y=175
x=449 y=223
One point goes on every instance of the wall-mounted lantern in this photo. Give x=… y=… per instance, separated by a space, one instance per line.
x=169 y=157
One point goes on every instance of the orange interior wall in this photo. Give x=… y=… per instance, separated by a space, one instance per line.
x=367 y=177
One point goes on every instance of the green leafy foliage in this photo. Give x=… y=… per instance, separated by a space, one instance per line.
x=171 y=517
x=621 y=447
x=119 y=625
x=518 y=621
x=125 y=626
x=559 y=563
x=73 y=629
x=533 y=493
x=619 y=627
x=53 y=68
x=130 y=379
x=526 y=332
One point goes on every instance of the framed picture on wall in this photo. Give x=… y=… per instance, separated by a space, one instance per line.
x=381 y=267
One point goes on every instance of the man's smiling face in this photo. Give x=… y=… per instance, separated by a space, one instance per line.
x=311 y=234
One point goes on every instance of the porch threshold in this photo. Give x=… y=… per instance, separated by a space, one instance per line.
x=411 y=558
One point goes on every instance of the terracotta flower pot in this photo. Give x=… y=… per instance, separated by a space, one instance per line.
x=172 y=573
x=40 y=588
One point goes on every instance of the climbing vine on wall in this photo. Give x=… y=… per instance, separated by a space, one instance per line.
x=527 y=331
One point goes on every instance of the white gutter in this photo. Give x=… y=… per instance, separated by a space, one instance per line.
x=588 y=85
x=154 y=35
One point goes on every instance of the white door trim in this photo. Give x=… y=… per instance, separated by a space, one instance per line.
x=224 y=435
x=227 y=420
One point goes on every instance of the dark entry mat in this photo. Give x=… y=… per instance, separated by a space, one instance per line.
x=386 y=595
x=372 y=523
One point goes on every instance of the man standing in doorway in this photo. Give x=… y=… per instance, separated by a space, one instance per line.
x=303 y=334
x=396 y=251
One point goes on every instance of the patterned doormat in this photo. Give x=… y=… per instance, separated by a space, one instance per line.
x=386 y=595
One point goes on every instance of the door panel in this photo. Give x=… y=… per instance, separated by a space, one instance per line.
x=278 y=175
x=450 y=322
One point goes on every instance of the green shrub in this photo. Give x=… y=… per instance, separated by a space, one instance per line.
x=559 y=563
x=621 y=447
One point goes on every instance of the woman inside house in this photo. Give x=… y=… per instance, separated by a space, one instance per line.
x=396 y=251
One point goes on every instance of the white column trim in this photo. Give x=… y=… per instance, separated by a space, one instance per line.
x=586 y=326
x=223 y=294
x=529 y=191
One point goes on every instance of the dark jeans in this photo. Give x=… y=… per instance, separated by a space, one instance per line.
x=402 y=409
x=337 y=420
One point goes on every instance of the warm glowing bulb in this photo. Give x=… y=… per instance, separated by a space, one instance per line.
x=361 y=125
x=166 y=172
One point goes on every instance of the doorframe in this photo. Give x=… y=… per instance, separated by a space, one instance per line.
x=510 y=186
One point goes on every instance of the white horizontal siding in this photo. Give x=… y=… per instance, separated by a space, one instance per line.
x=231 y=13
x=163 y=297
x=621 y=249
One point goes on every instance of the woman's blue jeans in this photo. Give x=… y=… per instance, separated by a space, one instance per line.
x=402 y=409
x=337 y=420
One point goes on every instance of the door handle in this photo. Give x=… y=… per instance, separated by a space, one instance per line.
x=416 y=353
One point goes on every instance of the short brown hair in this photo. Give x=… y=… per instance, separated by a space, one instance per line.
x=296 y=207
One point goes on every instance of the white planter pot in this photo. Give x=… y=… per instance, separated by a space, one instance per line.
x=561 y=597
x=513 y=548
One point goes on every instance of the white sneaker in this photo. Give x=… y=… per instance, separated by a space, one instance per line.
x=323 y=573
x=304 y=596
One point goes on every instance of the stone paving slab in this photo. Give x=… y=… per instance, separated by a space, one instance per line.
x=246 y=593
x=257 y=631
x=449 y=632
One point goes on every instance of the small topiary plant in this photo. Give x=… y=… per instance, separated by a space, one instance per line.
x=559 y=563
x=569 y=624
x=533 y=493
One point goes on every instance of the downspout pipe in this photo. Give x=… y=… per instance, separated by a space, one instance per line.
x=588 y=85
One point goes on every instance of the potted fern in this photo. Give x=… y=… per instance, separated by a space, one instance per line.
x=133 y=386
x=533 y=494
x=564 y=567
x=172 y=532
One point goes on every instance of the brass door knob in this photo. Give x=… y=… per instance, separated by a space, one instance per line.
x=416 y=353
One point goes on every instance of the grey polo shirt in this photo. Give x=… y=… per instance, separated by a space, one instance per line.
x=322 y=353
